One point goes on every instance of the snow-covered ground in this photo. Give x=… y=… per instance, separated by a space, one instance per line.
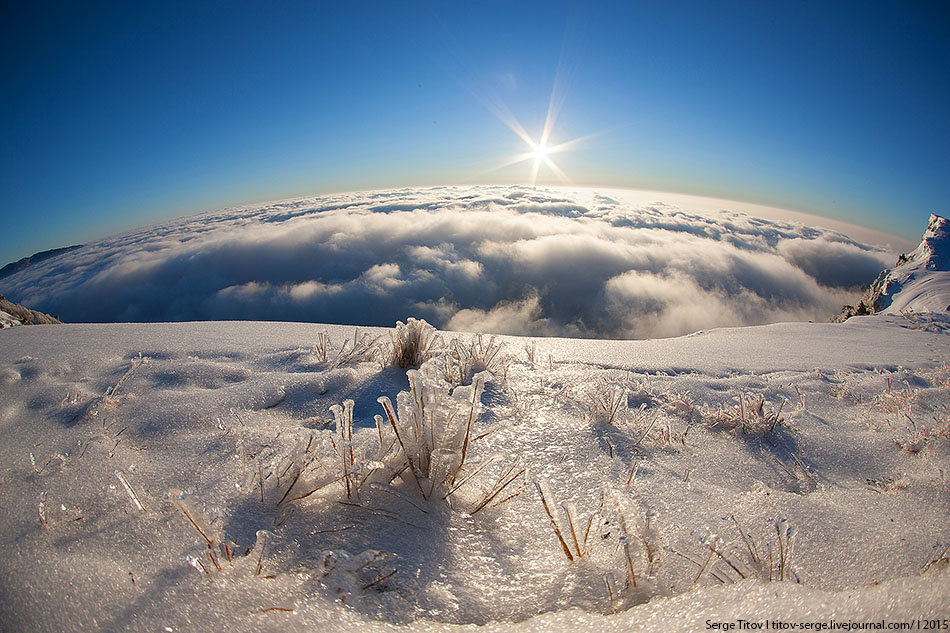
x=790 y=471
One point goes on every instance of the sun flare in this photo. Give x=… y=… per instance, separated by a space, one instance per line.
x=540 y=152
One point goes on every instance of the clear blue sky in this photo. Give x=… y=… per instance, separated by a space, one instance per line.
x=117 y=116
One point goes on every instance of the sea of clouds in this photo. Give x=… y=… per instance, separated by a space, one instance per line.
x=502 y=259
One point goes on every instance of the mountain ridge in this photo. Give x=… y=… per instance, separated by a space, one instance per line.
x=920 y=281
x=35 y=258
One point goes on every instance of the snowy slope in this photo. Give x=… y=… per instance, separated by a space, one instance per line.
x=922 y=282
x=808 y=458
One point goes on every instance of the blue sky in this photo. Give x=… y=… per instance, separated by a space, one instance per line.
x=118 y=116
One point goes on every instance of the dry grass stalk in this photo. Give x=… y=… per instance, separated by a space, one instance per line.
x=542 y=488
x=412 y=343
x=750 y=416
x=939 y=557
x=625 y=542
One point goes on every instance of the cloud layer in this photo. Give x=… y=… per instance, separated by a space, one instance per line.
x=513 y=260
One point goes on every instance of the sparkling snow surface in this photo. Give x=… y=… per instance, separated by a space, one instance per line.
x=116 y=437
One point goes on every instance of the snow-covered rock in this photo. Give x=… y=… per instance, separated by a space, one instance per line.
x=921 y=281
x=14 y=314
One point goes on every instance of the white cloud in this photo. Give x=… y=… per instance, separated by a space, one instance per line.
x=499 y=259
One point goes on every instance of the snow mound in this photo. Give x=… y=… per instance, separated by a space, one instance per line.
x=920 y=283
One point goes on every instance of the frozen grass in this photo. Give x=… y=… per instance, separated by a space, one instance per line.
x=750 y=416
x=433 y=435
x=727 y=563
x=411 y=344
x=360 y=349
x=463 y=359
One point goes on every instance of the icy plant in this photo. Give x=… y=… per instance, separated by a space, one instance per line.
x=728 y=563
x=346 y=576
x=110 y=397
x=681 y=405
x=128 y=490
x=572 y=533
x=641 y=391
x=530 y=350
x=411 y=344
x=888 y=484
x=939 y=558
x=898 y=402
x=939 y=376
x=913 y=442
x=464 y=360
x=363 y=348
x=432 y=432
x=750 y=416
x=607 y=404
x=212 y=538
x=321 y=349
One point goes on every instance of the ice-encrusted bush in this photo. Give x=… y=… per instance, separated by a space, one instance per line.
x=750 y=416
x=431 y=434
x=423 y=441
x=363 y=348
x=411 y=344
x=728 y=563
x=463 y=360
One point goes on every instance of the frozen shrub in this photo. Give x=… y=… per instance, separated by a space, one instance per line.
x=363 y=348
x=432 y=432
x=750 y=416
x=412 y=343
x=464 y=360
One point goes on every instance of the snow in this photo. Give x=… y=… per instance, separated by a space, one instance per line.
x=922 y=283
x=113 y=432
x=8 y=320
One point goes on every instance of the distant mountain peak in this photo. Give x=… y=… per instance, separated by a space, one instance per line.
x=920 y=282
x=934 y=249
x=35 y=258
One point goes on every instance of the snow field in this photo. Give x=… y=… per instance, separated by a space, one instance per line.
x=137 y=457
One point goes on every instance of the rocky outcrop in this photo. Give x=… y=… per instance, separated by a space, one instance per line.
x=14 y=314
x=920 y=282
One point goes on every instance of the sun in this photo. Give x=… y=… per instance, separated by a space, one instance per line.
x=540 y=152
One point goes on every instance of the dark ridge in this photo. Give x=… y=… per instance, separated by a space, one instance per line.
x=36 y=258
